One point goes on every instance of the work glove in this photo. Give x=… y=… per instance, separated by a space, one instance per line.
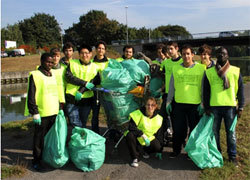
x=90 y=85
x=200 y=109
x=37 y=119
x=169 y=108
x=146 y=140
x=78 y=96
x=159 y=156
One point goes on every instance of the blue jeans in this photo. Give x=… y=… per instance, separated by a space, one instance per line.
x=78 y=115
x=228 y=114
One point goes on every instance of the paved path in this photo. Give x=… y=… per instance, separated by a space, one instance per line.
x=18 y=148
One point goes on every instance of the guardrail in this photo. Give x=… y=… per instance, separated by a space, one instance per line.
x=222 y=34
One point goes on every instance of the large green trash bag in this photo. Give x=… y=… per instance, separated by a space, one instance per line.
x=86 y=149
x=201 y=146
x=55 y=152
x=233 y=126
x=154 y=86
x=137 y=69
x=118 y=107
x=116 y=78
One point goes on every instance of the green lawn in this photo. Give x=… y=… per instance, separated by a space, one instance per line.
x=229 y=171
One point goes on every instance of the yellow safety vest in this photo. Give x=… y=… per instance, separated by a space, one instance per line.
x=168 y=66
x=148 y=126
x=219 y=96
x=84 y=72
x=46 y=95
x=101 y=65
x=187 y=83
x=120 y=59
x=59 y=73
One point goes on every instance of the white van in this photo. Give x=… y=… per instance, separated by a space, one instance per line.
x=21 y=52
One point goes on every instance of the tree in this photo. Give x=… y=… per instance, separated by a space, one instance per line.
x=40 y=30
x=174 y=30
x=11 y=33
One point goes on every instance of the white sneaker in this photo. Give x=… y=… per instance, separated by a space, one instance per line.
x=135 y=163
x=145 y=155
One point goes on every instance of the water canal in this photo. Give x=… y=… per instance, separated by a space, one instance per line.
x=13 y=98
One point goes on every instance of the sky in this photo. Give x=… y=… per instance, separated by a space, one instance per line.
x=197 y=16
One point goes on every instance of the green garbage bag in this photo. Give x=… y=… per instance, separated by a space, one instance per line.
x=86 y=149
x=155 y=85
x=233 y=126
x=137 y=69
x=55 y=152
x=116 y=78
x=201 y=146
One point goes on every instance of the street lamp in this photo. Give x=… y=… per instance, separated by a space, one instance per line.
x=61 y=35
x=126 y=8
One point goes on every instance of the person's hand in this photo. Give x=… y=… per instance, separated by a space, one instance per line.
x=200 y=109
x=239 y=112
x=146 y=140
x=78 y=96
x=90 y=85
x=159 y=156
x=208 y=112
x=169 y=108
x=37 y=119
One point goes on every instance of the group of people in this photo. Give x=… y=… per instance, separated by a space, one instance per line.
x=190 y=89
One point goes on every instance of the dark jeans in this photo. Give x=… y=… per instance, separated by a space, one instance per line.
x=184 y=116
x=38 y=139
x=135 y=148
x=78 y=114
x=166 y=123
x=228 y=114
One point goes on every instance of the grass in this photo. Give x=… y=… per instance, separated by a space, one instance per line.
x=246 y=79
x=229 y=171
x=18 y=170
x=17 y=126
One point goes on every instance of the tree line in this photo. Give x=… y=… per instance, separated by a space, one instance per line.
x=43 y=31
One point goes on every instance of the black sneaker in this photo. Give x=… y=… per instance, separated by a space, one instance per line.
x=234 y=161
x=173 y=155
x=38 y=167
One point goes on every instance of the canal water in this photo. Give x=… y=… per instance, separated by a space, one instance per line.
x=13 y=99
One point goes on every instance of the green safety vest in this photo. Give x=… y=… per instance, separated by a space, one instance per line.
x=101 y=65
x=148 y=126
x=187 y=83
x=59 y=73
x=120 y=59
x=219 y=96
x=84 y=72
x=168 y=66
x=46 y=96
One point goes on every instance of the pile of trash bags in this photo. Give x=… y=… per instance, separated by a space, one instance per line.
x=120 y=78
x=86 y=149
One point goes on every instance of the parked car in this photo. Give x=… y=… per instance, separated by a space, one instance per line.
x=13 y=53
x=3 y=54
x=227 y=34
x=21 y=52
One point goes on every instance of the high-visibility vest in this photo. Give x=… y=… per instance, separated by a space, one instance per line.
x=46 y=96
x=168 y=64
x=219 y=96
x=101 y=65
x=59 y=73
x=187 y=83
x=120 y=59
x=148 y=126
x=84 y=72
